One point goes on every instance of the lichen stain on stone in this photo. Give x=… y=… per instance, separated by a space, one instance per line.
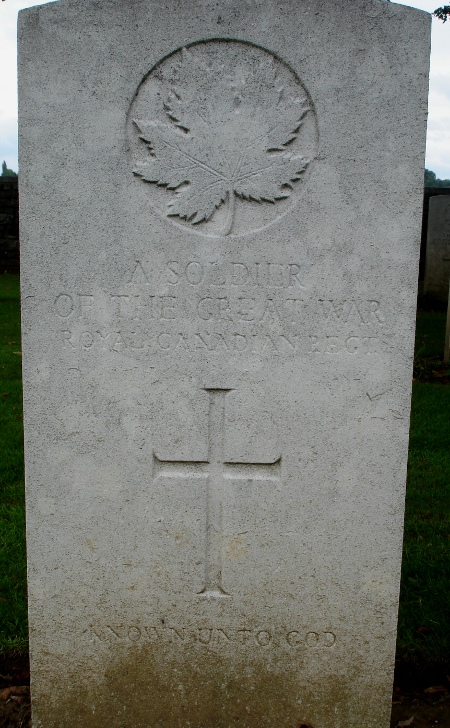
x=235 y=548
x=147 y=687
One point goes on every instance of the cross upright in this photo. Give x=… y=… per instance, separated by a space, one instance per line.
x=215 y=470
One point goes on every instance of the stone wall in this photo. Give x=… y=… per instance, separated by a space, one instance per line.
x=9 y=225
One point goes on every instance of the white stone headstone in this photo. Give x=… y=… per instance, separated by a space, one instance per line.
x=220 y=222
x=437 y=261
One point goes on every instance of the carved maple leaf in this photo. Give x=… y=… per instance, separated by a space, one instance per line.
x=240 y=150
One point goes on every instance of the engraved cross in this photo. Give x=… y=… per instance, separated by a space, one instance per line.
x=216 y=471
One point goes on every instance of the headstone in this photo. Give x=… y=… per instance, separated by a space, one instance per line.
x=437 y=264
x=219 y=278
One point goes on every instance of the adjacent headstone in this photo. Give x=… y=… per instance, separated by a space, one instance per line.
x=437 y=263
x=219 y=279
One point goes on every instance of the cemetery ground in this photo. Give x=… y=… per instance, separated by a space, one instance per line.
x=422 y=684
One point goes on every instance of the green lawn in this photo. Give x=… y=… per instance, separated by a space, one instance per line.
x=424 y=620
x=424 y=623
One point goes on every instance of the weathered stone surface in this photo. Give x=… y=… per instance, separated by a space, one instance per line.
x=220 y=210
x=437 y=265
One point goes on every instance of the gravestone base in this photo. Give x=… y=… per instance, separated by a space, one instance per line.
x=144 y=686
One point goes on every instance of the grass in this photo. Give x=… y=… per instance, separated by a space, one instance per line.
x=424 y=619
x=13 y=605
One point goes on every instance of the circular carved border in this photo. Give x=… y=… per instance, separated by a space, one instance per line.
x=222 y=136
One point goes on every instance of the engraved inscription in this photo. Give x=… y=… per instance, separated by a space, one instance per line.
x=221 y=123
x=216 y=470
x=260 y=344
x=236 y=273
x=213 y=636
x=249 y=308
x=343 y=344
x=311 y=639
x=352 y=311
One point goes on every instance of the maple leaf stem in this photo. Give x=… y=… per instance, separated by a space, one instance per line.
x=229 y=222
